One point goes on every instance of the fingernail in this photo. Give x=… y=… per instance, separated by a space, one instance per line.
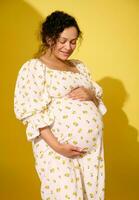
x=80 y=149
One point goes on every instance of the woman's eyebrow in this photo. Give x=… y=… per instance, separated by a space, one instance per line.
x=67 y=38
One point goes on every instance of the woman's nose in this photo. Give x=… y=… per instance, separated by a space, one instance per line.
x=68 y=45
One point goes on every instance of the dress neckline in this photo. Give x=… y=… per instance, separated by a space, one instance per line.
x=64 y=71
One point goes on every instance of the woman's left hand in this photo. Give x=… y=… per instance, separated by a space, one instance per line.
x=83 y=94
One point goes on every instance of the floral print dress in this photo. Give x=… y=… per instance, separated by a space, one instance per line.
x=41 y=100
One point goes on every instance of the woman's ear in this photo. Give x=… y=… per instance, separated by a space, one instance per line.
x=49 y=41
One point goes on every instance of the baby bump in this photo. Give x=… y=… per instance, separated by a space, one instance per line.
x=77 y=122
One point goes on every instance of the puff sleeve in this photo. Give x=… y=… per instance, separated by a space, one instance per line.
x=95 y=87
x=31 y=99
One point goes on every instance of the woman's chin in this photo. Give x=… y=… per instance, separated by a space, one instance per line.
x=63 y=58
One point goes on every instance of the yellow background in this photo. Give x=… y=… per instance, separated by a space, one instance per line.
x=110 y=51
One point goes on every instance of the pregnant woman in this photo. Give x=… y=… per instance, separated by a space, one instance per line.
x=62 y=108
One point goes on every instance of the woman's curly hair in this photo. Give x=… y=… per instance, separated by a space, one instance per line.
x=51 y=28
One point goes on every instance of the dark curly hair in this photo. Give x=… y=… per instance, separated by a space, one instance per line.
x=51 y=28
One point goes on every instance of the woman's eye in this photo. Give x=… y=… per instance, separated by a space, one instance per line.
x=74 y=42
x=62 y=41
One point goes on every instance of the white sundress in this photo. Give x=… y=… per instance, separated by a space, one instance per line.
x=40 y=100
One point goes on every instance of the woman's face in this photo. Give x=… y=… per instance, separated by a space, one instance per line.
x=66 y=43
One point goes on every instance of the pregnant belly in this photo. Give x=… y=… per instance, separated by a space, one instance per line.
x=77 y=122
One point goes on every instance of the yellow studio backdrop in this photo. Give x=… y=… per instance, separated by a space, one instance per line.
x=109 y=49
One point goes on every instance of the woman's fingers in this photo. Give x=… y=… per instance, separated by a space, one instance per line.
x=75 y=148
x=75 y=91
x=76 y=153
x=78 y=149
x=79 y=93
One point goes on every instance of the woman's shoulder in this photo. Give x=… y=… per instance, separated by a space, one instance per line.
x=31 y=64
x=81 y=64
x=76 y=61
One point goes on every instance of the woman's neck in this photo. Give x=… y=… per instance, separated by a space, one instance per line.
x=50 y=58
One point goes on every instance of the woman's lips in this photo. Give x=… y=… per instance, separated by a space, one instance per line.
x=65 y=53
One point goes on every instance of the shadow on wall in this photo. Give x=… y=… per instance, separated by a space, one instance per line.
x=19 y=25
x=120 y=142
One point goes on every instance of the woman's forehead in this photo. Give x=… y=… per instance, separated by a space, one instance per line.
x=70 y=32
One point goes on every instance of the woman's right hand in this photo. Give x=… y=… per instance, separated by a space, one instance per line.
x=70 y=151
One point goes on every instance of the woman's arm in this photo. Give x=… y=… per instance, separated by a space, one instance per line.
x=49 y=138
